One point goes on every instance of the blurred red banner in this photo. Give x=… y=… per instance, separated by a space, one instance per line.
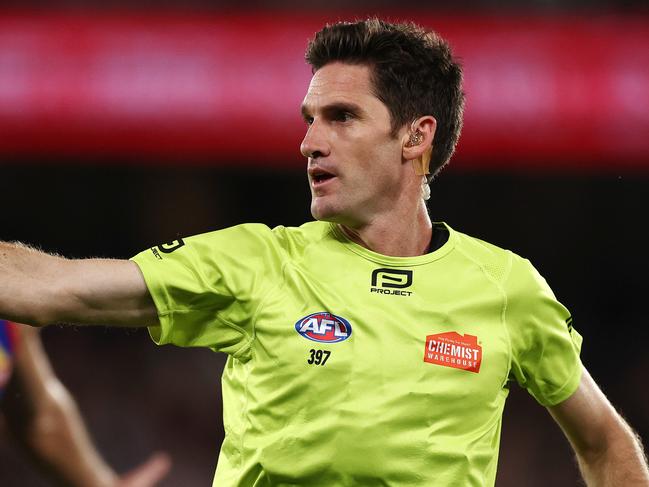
x=541 y=91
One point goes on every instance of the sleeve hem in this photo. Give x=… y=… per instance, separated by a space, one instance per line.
x=157 y=333
x=568 y=389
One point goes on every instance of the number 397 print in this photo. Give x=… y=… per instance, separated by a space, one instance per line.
x=318 y=357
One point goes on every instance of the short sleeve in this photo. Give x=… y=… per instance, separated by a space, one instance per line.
x=545 y=346
x=207 y=288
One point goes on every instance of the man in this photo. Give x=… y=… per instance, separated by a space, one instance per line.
x=370 y=347
x=42 y=415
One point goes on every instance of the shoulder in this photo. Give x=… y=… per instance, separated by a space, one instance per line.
x=479 y=249
x=258 y=241
x=495 y=261
x=304 y=234
x=511 y=270
x=252 y=241
x=288 y=239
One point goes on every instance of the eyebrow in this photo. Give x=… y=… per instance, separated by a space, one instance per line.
x=334 y=107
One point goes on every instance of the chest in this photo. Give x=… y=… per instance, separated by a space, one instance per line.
x=374 y=337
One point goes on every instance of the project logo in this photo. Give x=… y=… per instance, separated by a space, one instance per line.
x=324 y=327
x=391 y=282
x=167 y=248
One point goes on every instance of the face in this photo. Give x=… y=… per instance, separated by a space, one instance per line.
x=354 y=161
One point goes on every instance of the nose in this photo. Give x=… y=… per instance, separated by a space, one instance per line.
x=315 y=143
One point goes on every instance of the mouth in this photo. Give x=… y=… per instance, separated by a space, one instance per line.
x=320 y=177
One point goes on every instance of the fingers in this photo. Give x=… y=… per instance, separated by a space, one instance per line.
x=149 y=473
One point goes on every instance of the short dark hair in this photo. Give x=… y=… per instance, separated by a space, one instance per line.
x=413 y=73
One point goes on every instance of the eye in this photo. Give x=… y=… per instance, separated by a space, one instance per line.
x=343 y=116
x=308 y=120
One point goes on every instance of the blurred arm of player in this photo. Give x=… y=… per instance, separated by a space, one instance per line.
x=40 y=289
x=44 y=417
x=608 y=451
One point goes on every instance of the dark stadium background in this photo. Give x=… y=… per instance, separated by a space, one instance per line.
x=579 y=215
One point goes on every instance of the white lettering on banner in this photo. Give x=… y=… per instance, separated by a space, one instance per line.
x=452 y=349
x=338 y=331
x=310 y=325
x=325 y=325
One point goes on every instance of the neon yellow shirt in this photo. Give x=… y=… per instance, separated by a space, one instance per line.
x=350 y=368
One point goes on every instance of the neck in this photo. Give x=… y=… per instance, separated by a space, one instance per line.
x=395 y=235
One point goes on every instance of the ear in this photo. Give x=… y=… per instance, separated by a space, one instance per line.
x=418 y=138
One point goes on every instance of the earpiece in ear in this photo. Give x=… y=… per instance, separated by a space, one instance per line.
x=415 y=138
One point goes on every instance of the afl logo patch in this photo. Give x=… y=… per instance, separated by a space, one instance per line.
x=324 y=327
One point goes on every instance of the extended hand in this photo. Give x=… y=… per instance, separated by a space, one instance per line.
x=147 y=474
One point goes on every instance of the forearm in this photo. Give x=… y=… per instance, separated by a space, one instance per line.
x=44 y=417
x=619 y=462
x=28 y=276
x=39 y=289
x=60 y=440
x=609 y=453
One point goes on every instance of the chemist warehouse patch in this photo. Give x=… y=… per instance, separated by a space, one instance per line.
x=451 y=349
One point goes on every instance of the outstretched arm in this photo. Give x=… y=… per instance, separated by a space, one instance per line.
x=39 y=289
x=609 y=453
x=54 y=431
